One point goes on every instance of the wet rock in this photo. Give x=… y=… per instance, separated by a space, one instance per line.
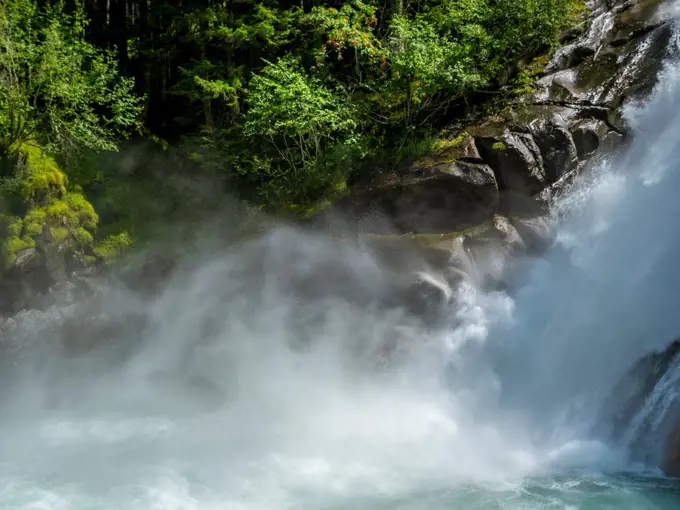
x=515 y=159
x=491 y=252
x=652 y=436
x=537 y=234
x=588 y=136
x=569 y=56
x=427 y=298
x=557 y=147
x=642 y=60
x=640 y=18
x=442 y=198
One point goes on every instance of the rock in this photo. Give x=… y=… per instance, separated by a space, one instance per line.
x=515 y=159
x=537 y=234
x=642 y=428
x=588 y=136
x=642 y=17
x=463 y=150
x=445 y=197
x=670 y=462
x=618 y=57
x=427 y=298
x=642 y=60
x=491 y=252
x=568 y=56
x=557 y=147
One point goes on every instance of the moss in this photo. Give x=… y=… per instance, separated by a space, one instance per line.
x=578 y=9
x=114 y=246
x=41 y=177
x=59 y=234
x=34 y=221
x=42 y=190
x=12 y=246
x=59 y=210
x=84 y=210
x=83 y=237
x=443 y=145
x=499 y=146
x=10 y=225
x=442 y=150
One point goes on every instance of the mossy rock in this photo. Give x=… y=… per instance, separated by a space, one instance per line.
x=12 y=246
x=49 y=213
x=40 y=176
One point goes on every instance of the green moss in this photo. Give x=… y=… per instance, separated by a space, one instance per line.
x=34 y=221
x=84 y=210
x=41 y=177
x=59 y=234
x=578 y=9
x=499 y=146
x=12 y=246
x=442 y=145
x=60 y=211
x=83 y=237
x=42 y=189
x=10 y=225
x=114 y=246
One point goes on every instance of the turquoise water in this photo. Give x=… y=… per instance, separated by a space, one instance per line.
x=579 y=492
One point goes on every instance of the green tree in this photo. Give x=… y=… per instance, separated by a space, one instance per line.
x=55 y=87
x=308 y=132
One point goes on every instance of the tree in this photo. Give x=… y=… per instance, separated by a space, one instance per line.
x=55 y=87
x=308 y=131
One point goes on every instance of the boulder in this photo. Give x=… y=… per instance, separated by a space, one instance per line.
x=515 y=159
x=557 y=147
x=588 y=136
x=640 y=18
x=443 y=197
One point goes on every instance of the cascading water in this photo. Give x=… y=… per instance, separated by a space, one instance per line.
x=275 y=377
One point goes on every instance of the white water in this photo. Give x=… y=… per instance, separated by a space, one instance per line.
x=245 y=392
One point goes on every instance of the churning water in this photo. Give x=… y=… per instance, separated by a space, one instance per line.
x=275 y=378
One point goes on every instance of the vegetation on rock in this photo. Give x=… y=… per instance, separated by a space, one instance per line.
x=46 y=209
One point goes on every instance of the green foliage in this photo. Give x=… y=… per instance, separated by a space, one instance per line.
x=56 y=87
x=349 y=29
x=306 y=130
x=283 y=101
x=114 y=246
x=218 y=29
x=499 y=146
